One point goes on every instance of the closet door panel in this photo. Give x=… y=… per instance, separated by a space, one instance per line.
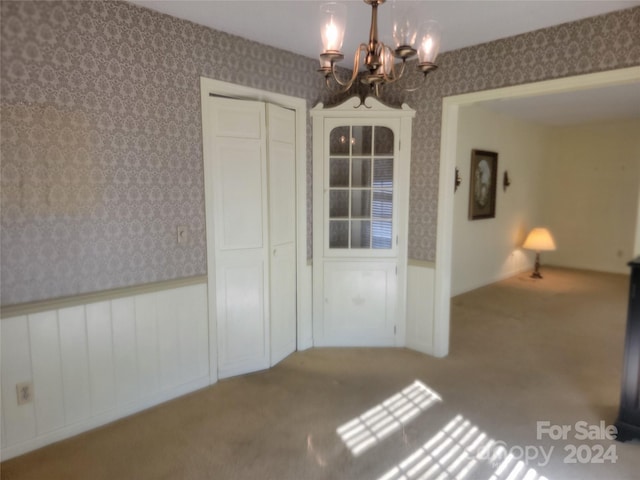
x=241 y=237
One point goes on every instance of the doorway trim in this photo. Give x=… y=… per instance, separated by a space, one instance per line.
x=450 y=110
x=210 y=87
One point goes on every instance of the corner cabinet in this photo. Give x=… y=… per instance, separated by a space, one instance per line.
x=361 y=164
x=628 y=423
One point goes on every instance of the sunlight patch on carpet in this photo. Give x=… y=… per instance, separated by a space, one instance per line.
x=457 y=450
x=375 y=424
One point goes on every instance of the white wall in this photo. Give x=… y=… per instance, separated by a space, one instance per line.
x=420 y=298
x=91 y=364
x=591 y=195
x=487 y=250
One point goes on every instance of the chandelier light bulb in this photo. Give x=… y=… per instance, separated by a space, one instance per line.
x=427 y=47
x=429 y=42
x=333 y=20
x=331 y=36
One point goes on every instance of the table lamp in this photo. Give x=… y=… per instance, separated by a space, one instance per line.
x=539 y=240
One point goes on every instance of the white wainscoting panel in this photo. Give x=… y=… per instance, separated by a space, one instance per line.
x=146 y=315
x=47 y=371
x=420 y=300
x=125 y=351
x=74 y=356
x=19 y=421
x=95 y=363
x=101 y=366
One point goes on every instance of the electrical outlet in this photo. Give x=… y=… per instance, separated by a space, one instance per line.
x=24 y=391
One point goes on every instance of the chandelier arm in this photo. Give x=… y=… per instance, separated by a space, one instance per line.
x=327 y=82
x=343 y=86
x=413 y=89
x=356 y=64
x=402 y=68
x=425 y=71
x=389 y=79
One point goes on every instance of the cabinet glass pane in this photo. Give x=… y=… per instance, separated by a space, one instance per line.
x=339 y=141
x=382 y=206
x=339 y=204
x=382 y=232
x=360 y=234
x=360 y=203
x=383 y=172
x=361 y=172
x=339 y=172
x=384 y=141
x=361 y=185
x=361 y=140
x=338 y=234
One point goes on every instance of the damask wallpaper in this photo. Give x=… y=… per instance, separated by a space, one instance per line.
x=596 y=44
x=101 y=141
x=101 y=134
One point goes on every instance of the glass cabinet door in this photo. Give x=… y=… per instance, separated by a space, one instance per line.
x=361 y=187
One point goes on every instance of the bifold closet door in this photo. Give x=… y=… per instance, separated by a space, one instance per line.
x=255 y=234
x=282 y=230
x=241 y=236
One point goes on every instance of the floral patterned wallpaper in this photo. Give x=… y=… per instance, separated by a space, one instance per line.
x=101 y=134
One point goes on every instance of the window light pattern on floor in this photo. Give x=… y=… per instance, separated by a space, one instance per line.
x=457 y=450
x=387 y=417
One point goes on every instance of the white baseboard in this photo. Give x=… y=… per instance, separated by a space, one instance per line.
x=489 y=281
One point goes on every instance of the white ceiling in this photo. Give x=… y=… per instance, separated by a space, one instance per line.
x=293 y=25
x=616 y=102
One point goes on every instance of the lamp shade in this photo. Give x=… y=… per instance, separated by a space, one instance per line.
x=539 y=239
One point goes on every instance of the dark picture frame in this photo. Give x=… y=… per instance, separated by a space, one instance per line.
x=482 y=191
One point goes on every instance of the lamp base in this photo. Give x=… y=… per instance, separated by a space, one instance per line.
x=536 y=273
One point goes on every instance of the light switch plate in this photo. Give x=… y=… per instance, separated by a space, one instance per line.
x=183 y=235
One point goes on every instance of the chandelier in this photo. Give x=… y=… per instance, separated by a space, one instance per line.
x=379 y=58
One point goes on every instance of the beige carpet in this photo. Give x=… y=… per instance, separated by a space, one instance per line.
x=522 y=351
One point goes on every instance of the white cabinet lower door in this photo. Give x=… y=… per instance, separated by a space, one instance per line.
x=359 y=303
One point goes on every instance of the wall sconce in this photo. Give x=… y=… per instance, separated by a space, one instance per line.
x=505 y=180
x=458 y=181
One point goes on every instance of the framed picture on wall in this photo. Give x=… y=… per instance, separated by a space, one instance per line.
x=482 y=194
